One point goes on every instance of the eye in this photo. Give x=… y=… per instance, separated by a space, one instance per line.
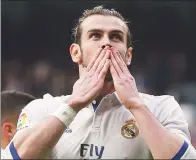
x=95 y=36
x=116 y=37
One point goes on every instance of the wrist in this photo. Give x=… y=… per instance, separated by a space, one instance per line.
x=65 y=114
x=134 y=103
x=74 y=103
x=139 y=111
x=137 y=108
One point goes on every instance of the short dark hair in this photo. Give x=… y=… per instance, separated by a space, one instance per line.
x=98 y=10
x=12 y=102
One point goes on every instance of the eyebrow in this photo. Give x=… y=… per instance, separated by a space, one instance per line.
x=99 y=30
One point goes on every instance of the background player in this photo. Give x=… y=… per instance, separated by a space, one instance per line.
x=12 y=103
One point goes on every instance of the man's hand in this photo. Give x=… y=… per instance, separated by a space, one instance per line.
x=124 y=82
x=91 y=82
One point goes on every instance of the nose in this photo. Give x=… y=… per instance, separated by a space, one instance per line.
x=106 y=42
x=103 y=46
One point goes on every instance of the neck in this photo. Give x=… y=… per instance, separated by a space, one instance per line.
x=4 y=143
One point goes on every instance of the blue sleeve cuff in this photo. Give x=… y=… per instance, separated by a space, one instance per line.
x=14 y=152
x=181 y=152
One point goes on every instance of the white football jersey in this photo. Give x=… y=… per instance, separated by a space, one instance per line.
x=2 y=153
x=110 y=131
x=5 y=154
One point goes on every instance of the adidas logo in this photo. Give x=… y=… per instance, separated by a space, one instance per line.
x=68 y=130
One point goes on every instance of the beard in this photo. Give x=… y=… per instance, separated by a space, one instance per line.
x=108 y=76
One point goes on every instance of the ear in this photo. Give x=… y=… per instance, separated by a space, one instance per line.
x=9 y=130
x=75 y=52
x=129 y=56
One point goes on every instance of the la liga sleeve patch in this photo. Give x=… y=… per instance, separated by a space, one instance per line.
x=23 y=121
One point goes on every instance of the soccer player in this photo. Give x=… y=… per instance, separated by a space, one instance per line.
x=105 y=116
x=12 y=103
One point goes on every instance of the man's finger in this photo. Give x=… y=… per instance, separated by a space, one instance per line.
x=101 y=64
x=119 y=61
x=125 y=68
x=91 y=63
x=113 y=71
x=115 y=65
x=98 y=60
x=104 y=70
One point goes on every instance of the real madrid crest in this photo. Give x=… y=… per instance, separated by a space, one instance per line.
x=130 y=130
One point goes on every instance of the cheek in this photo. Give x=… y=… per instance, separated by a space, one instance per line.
x=14 y=129
x=88 y=52
x=122 y=49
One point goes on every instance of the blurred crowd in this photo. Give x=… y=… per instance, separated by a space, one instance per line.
x=154 y=74
x=37 y=78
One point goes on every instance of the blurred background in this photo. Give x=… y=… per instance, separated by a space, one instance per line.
x=36 y=36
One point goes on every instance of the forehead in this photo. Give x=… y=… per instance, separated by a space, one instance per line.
x=105 y=23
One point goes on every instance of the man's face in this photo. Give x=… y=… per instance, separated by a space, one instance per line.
x=98 y=30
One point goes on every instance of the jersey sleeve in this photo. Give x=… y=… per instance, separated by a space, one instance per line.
x=173 y=119
x=34 y=113
x=38 y=110
x=5 y=154
x=190 y=153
